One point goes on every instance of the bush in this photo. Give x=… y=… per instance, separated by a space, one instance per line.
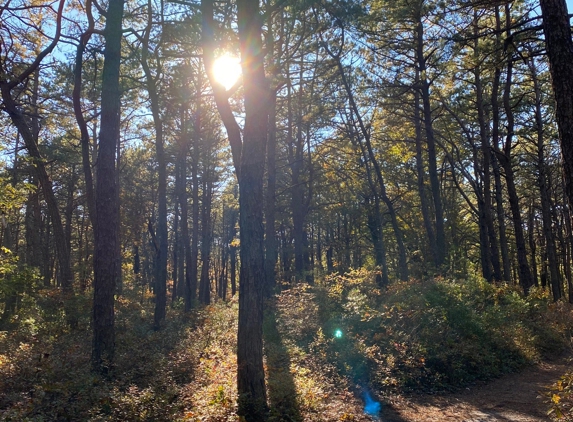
x=435 y=335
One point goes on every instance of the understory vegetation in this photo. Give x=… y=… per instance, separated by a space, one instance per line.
x=328 y=346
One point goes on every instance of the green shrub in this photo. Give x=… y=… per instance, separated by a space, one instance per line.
x=435 y=335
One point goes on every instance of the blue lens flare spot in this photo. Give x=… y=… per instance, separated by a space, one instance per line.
x=371 y=406
x=338 y=333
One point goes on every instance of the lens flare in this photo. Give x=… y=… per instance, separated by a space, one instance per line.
x=338 y=333
x=371 y=406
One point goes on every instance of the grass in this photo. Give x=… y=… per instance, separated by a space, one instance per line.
x=417 y=336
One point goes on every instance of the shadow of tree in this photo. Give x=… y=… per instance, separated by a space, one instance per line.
x=283 y=400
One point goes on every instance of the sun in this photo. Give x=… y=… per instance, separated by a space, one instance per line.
x=227 y=70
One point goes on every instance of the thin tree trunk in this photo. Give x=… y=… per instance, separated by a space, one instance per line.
x=194 y=267
x=569 y=251
x=544 y=189
x=492 y=248
x=425 y=208
x=402 y=260
x=26 y=132
x=205 y=282
x=176 y=241
x=182 y=197
x=33 y=221
x=532 y=244
x=84 y=134
x=505 y=260
x=270 y=197
x=162 y=234
x=376 y=231
x=430 y=140
x=524 y=272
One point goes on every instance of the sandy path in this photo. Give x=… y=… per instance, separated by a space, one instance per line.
x=513 y=398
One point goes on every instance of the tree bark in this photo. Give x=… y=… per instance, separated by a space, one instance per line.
x=559 y=46
x=185 y=248
x=107 y=216
x=26 y=132
x=425 y=208
x=430 y=140
x=492 y=248
x=505 y=261
x=270 y=197
x=250 y=375
x=524 y=272
x=205 y=282
x=249 y=158
x=544 y=190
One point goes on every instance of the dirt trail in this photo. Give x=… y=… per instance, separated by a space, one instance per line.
x=510 y=398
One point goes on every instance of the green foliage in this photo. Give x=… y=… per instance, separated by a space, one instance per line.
x=434 y=335
x=425 y=336
x=45 y=368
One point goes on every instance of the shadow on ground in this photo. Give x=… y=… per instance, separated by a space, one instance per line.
x=284 y=405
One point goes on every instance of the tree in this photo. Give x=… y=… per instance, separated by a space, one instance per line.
x=106 y=234
x=12 y=80
x=248 y=152
x=559 y=46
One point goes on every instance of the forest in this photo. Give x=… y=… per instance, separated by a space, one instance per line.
x=281 y=210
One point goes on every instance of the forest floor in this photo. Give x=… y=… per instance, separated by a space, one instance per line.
x=332 y=353
x=514 y=397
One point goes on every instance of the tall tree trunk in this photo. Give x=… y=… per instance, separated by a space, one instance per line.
x=107 y=218
x=377 y=234
x=295 y=159
x=33 y=222
x=368 y=152
x=270 y=197
x=78 y=112
x=162 y=234
x=524 y=272
x=25 y=129
x=176 y=241
x=233 y=263
x=505 y=260
x=182 y=198
x=251 y=375
x=270 y=204
x=194 y=265
x=486 y=163
x=568 y=251
x=425 y=208
x=532 y=243
x=205 y=281
x=248 y=153
x=432 y=160
x=544 y=189
x=559 y=46
x=69 y=211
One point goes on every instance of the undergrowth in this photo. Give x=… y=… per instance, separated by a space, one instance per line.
x=327 y=346
x=436 y=335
